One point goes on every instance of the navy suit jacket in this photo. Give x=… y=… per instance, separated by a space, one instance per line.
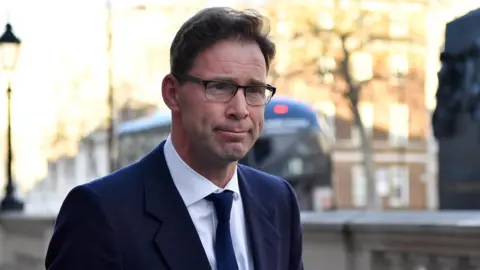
x=135 y=219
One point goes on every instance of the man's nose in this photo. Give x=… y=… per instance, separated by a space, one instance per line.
x=238 y=107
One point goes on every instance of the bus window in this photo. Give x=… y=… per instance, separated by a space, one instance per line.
x=325 y=127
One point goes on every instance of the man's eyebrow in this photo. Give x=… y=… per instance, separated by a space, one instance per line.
x=223 y=79
x=231 y=80
x=257 y=82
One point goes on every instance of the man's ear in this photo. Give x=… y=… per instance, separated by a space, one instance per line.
x=170 y=87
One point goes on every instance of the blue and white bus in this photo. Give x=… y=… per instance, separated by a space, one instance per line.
x=294 y=145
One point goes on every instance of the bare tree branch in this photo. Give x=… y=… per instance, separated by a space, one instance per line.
x=352 y=30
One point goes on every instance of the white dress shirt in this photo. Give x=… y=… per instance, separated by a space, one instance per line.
x=193 y=189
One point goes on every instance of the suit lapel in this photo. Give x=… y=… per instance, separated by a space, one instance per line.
x=262 y=233
x=176 y=239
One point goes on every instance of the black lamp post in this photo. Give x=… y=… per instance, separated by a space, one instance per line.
x=9 y=47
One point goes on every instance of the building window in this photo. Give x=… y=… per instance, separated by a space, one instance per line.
x=92 y=170
x=53 y=171
x=220 y=3
x=256 y=2
x=326 y=21
x=399 y=187
x=283 y=28
x=361 y=66
x=70 y=169
x=399 y=122
x=366 y=113
x=359 y=186
x=327 y=3
x=326 y=68
x=326 y=109
x=398 y=66
x=282 y=62
x=344 y=4
x=399 y=26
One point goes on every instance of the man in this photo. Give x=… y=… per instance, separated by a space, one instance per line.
x=188 y=205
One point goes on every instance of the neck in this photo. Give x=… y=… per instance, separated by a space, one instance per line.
x=218 y=172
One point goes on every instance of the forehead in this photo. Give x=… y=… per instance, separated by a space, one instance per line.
x=240 y=61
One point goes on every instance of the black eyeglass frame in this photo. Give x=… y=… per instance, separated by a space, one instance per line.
x=193 y=79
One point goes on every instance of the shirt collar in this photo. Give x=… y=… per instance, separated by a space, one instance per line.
x=192 y=186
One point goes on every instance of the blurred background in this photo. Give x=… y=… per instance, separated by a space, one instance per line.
x=367 y=69
x=377 y=108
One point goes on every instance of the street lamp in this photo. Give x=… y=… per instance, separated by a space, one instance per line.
x=9 y=47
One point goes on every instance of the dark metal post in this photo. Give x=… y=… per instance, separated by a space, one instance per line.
x=10 y=202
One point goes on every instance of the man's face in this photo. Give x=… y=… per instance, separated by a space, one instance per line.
x=225 y=131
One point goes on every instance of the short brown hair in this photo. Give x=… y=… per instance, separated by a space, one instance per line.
x=210 y=25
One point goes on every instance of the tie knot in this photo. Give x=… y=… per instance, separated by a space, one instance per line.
x=222 y=203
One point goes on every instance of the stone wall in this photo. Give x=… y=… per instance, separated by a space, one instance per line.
x=338 y=240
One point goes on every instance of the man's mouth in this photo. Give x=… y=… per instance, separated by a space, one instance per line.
x=232 y=134
x=235 y=131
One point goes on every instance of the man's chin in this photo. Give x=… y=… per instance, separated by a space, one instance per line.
x=232 y=153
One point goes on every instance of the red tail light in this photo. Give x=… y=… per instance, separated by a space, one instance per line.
x=280 y=109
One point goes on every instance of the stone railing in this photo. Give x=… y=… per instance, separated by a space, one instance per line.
x=351 y=240
x=338 y=240
x=24 y=240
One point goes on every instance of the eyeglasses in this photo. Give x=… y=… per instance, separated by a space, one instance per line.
x=218 y=91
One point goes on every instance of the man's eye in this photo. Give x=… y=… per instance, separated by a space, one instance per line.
x=257 y=89
x=221 y=86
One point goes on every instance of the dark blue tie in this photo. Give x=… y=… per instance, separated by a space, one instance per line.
x=224 y=253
